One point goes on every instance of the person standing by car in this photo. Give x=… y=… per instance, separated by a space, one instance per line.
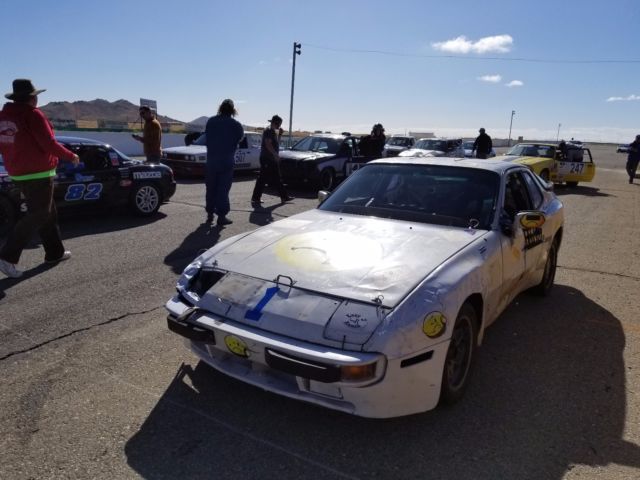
x=373 y=144
x=482 y=145
x=30 y=154
x=223 y=134
x=634 y=158
x=151 y=138
x=270 y=163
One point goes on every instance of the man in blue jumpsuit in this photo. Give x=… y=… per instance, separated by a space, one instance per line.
x=223 y=134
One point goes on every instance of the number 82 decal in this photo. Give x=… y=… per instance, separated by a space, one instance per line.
x=80 y=191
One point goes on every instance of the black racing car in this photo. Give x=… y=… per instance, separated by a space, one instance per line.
x=104 y=177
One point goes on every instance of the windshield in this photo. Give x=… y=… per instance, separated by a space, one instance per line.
x=318 y=144
x=468 y=145
x=122 y=155
x=432 y=145
x=529 y=150
x=434 y=194
x=399 y=142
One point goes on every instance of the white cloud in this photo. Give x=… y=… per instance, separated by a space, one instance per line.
x=495 y=44
x=262 y=62
x=630 y=98
x=490 y=78
x=514 y=83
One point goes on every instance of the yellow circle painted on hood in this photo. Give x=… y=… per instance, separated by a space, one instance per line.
x=236 y=346
x=532 y=220
x=434 y=324
x=328 y=251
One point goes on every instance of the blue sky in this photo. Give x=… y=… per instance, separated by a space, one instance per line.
x=190 y=55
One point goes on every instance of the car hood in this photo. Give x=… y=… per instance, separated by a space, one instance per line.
x=190 y=150
x=349 y=256
x=395 y=148
x=419 y=152
x=324 y=277
x=295 y=155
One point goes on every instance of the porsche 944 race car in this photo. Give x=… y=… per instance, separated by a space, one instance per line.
x=374 y=302
x=105 y=177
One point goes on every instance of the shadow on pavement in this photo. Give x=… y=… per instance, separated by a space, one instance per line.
x=580 y=190
x=548 y=392
x=202 y=238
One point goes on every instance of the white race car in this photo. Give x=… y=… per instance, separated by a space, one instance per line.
x=374 y=303
x=192 y=159
x=436 y=147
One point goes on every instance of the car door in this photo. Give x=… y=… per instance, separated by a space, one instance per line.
x=578 y=167
x=92 y=181
x=254 y=143
x=536 y=245
x=515 y=199
x=241 y=156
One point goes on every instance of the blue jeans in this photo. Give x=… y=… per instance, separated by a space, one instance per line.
x=218 y=185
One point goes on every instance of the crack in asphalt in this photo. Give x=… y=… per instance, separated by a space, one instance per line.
x=73 y=332
x=621 y=275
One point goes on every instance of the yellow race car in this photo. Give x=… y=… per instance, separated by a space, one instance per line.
x=568 y=164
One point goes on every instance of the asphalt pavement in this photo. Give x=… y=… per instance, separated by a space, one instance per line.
x=93 y=385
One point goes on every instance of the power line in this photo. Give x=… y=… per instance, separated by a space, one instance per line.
x=463 y=57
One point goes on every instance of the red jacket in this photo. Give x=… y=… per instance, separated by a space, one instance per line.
x=27 y=143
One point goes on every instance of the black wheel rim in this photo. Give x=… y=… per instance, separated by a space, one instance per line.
x=327 y=180
x=459 y=353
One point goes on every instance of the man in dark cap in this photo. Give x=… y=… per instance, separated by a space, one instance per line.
x=30 y=153
x=223 y=134
x=270 y=163
x=372 y=145
x=482 y=146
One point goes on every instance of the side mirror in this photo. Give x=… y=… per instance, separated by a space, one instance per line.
x=322 y=196
x=530 y=219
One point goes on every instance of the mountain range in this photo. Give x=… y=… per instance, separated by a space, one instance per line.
x=98 y=109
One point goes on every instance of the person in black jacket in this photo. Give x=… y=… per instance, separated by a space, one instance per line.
x=373 y=144
x=482 y=146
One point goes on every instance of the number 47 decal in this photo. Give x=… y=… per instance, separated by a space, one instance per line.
x=80 y=191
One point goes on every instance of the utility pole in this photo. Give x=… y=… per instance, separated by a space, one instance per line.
x=513 y=112
x=558 y=134
x=297 y=48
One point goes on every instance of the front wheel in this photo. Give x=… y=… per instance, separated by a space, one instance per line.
x=459 y=359
x=546 y=284
x=327 y=179
x=145 y=199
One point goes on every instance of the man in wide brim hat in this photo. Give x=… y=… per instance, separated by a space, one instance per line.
x=30 y=152
x=23 y=88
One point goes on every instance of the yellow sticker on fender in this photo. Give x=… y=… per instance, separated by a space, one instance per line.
x=236 y=346
x=434 y=324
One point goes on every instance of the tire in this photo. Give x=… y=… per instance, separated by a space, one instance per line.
x=8 y=215
x=327 y=179
x=543 y=289
x=146 y=199
x=544 y=174
x=459 y=360
x=572 y=184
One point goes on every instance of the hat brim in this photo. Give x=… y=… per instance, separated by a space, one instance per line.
x=12 y=95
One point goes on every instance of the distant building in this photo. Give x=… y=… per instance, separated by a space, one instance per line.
x=422 y=134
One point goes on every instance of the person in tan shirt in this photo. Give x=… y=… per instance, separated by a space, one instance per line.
x=151 y=135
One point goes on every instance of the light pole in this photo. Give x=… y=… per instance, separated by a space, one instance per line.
x=513 y=112
x=297 y=47
x=558 y=134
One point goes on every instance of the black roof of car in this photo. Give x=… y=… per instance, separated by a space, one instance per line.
x=79 y=141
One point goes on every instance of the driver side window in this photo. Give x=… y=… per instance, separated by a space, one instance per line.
x=516 y=197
